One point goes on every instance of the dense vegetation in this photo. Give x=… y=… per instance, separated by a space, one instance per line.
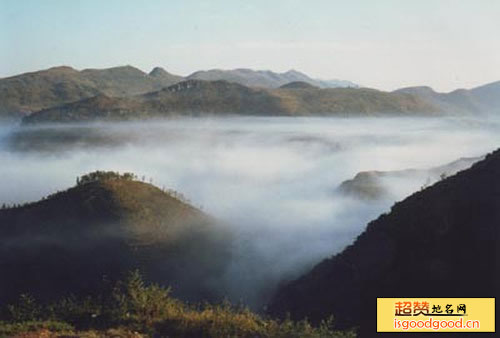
x=132 y=307
x=99 y=175
x=439 y=242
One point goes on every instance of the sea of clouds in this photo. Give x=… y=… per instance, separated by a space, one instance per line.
x=273 y=180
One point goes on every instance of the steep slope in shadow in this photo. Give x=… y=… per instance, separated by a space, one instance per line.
x=69 y=241
x=440 y=242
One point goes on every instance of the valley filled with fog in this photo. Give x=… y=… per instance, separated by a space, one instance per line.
x=273 y=181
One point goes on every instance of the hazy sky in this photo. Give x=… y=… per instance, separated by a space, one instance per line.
x=383 y=44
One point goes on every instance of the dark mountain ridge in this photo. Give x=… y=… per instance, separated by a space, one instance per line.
x=439 y=242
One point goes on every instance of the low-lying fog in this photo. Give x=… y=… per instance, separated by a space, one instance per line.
x=273 y=179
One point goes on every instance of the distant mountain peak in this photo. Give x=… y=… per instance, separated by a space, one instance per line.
x=117 y=69
x=418 y=88
x=158 y=72
x=62 y=68
x=294 y=72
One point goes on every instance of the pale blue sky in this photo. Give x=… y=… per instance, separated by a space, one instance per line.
x=383 y=44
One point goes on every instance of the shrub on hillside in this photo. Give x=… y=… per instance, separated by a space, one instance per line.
x=133 y=306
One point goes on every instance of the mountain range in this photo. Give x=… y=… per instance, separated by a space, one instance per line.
x=66 y=94
x=202 y=98
x=439 y=242
x=265 y=78
x=29 y=92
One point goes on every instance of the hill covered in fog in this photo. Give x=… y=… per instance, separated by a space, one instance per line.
x=102 y=228
x=439 y=242
x=374 y=185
